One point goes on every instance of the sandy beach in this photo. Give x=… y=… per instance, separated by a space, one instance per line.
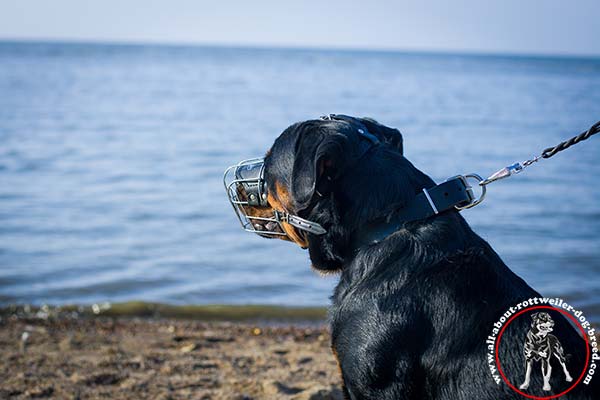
x=138 y=358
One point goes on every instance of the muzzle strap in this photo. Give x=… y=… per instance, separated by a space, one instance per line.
x=305 y=225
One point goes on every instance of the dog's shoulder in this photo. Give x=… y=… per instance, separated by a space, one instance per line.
x=376 y=346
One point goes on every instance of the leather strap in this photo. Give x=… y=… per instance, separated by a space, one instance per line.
x=368 y=139
x=455 y=192
x=363 y=131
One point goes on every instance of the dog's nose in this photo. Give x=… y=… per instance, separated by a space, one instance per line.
x=272 y=226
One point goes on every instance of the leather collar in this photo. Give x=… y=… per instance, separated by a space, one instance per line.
x=451 y=194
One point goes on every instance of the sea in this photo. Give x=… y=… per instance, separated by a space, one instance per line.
x=112 y=155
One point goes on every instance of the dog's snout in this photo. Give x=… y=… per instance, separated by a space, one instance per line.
x=259 y=216
x=269 y=226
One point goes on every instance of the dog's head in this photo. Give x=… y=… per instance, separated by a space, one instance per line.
x=542 y=323
x=327 y=172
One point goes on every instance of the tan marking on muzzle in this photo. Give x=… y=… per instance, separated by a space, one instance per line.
x=282 y=201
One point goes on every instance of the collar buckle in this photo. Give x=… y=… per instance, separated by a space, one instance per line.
x=473 y=201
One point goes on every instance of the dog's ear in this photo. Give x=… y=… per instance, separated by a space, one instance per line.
x=534 y=317
x=390 y=136
x=319 y=158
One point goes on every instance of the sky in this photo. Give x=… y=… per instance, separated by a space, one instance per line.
x=561 y=27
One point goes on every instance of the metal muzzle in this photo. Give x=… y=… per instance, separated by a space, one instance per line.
x=246 y=188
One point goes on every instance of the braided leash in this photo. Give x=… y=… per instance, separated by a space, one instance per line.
x=546 y=153
x=550 y=151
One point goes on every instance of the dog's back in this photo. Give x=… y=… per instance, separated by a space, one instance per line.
x=410 y=321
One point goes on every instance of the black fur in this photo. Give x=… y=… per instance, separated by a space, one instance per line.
x=410 y=314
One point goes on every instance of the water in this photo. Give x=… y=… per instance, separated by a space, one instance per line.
x=111 y=160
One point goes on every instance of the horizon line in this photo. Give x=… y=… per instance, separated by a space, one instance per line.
x=274 y=46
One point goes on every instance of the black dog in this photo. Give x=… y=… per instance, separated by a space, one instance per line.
x=417 y=299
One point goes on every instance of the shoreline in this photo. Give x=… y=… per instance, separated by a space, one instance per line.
x=271 y=314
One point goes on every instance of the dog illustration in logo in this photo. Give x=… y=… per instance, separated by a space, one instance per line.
x=540 y=345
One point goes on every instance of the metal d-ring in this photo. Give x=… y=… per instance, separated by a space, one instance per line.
x=469 y=188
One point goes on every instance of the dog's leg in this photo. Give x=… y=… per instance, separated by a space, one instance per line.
x=568 y=377
x=546 y=373
x=559 y=353
x=525 y=383
x=345 y=391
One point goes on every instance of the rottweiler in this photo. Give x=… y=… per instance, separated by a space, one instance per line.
x=541 y=345
x=417 y=296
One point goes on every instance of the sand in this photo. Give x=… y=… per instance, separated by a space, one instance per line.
x=133 y=358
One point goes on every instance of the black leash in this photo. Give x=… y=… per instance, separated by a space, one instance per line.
x=550 y=151
x=546 y=153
